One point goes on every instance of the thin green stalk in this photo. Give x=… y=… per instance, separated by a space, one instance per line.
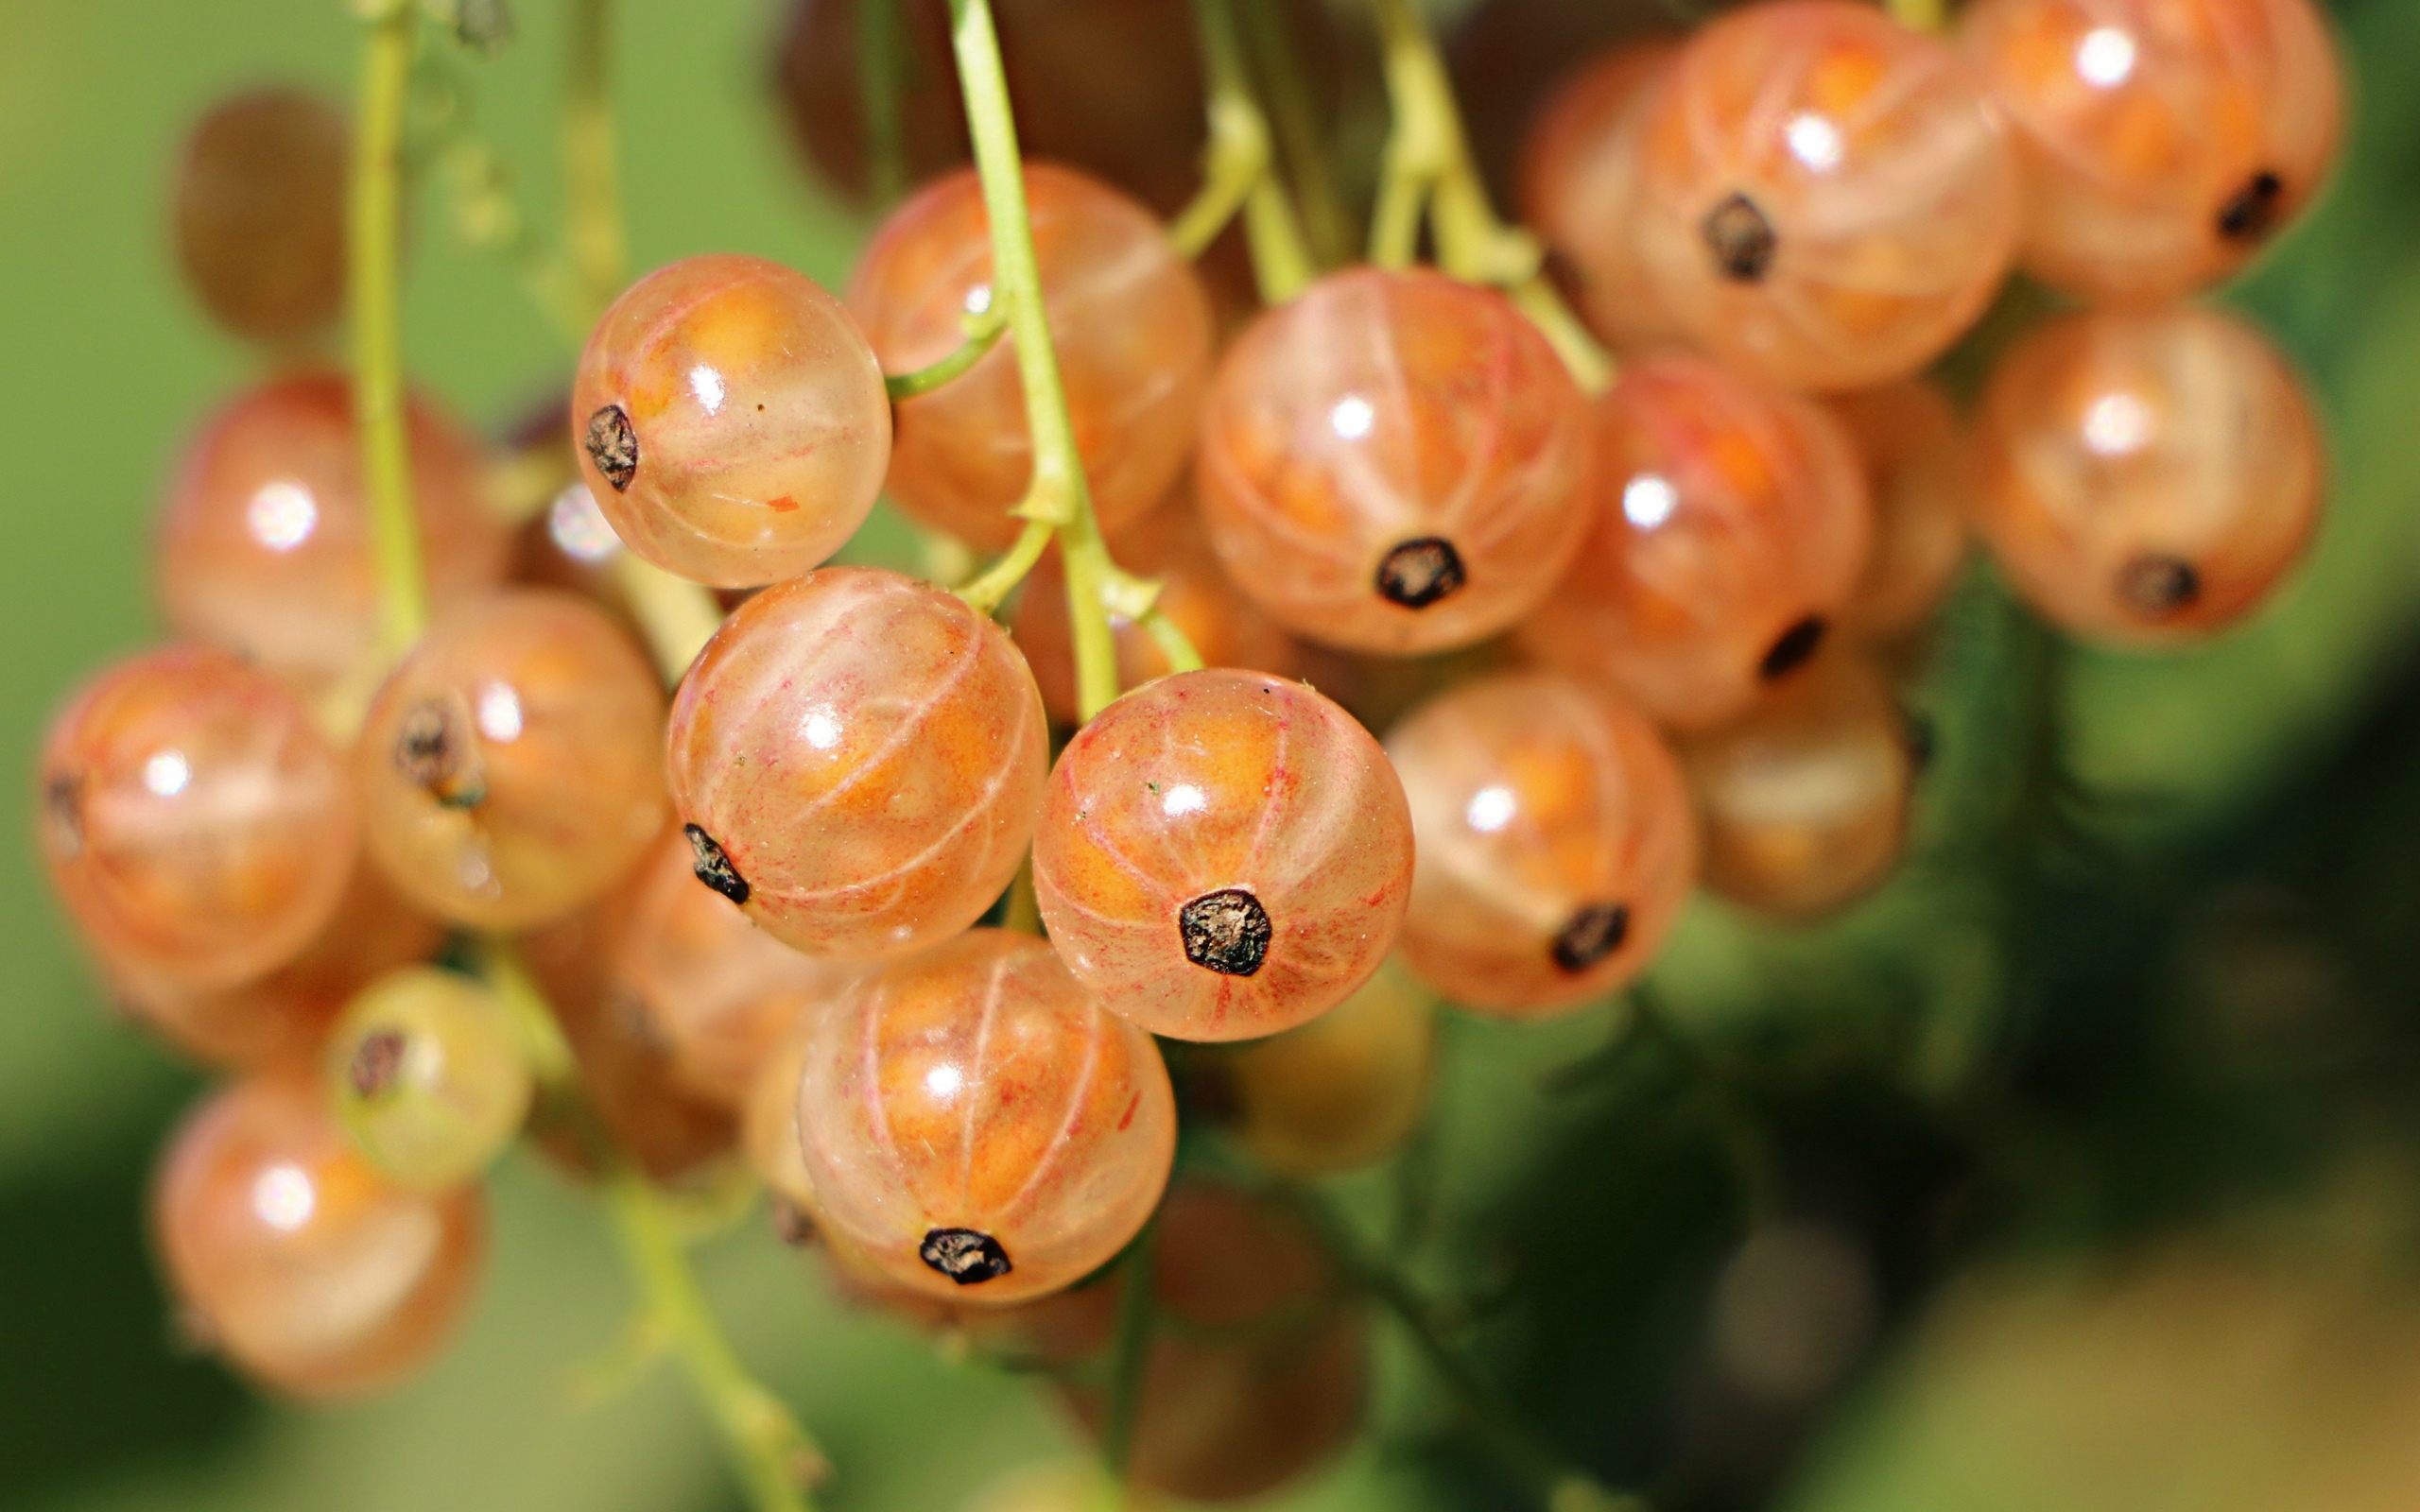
x=1173 y=643
x=1130 y=1352
x=374 y=293
x=1242 y=166
x=878 y=63
x=988 y=591
x=982 y=333
x=1058 y=494
x=1327 y=226
x=592 y=161
x=1919 y=15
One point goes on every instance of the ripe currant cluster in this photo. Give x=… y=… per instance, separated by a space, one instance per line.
x=915 y=916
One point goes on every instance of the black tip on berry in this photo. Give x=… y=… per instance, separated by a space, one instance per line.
x=1593 y=933
x=377 y=1062
x=964 y=1255
x=1419 y=572
x=614 y=446
x=2251 y=211
x=1226 y=930
x=1793 y=648
x=2155 y=585
x=434 y=750
x=1917 y=733
x=792 y=1225
x=1740 y=239
x=713 y=867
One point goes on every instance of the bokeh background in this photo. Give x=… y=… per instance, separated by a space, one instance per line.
x=2093 y=1172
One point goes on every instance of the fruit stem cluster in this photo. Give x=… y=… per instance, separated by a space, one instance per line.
x=372 y=288
x=1241 y=168
x=983 y=333
x=593 y=233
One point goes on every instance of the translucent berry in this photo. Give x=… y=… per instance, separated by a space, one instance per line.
x=511 y=765
x=297 y=1259
x=265 y=546
x=1826 y=198
x=1339 y=1092
x=769 y=1136
x=194 y=823
x=1730 y=526
x=260 y=213
x=1168 y=544
x=978 y=1126
x=1920 y=471
x=2146 y=477
x=1129 y=321
x=1555 y=842
x=1804 y=800
x=428 y=1074
x=1222 y=855
x=1259 y=1365
x=1394 y=461
x=2164 y=142
x=717 y=991
x=859 y=757
x=1579 y=188
x=731 y=421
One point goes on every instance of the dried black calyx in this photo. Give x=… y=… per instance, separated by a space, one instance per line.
x=964 y=1255
x=713 y=867
x=1226 y=930
x=614 y=446
x=792 y=1225
x=63 y=800
x=376 y=1065
x=434 y=750
x=1593 y=933
x=1741 y=239
x=1790 y=651
x=1419 y=572
x=2157 y=585
x=1918 y=734
x=2251 y=211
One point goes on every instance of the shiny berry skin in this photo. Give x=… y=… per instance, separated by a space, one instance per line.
x=978 y=1126
x=769 y=1136
x=1394 y=462
x=1803 y=800
x=308 y=1269
x=1731 y=522
x=1339 y=1092
x=1921 y=475
x=196 y=823
x=1129 y=321
x=1222 y=855
x=1227 y=628
x=2146 y=477
x=859 y=759
x=510 y=768
x=2164 y=141
x=1825 y=198
x=1555 y=842
x=265 y=548
x=1579 y=188
x=731 y=421
x=427 y=1074
x=259 y=214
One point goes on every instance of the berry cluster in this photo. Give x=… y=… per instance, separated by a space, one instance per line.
x=916 y=916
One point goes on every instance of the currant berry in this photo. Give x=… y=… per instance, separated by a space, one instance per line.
x=2146 y=477
x=859 y=757
x=2163 y=141
x=1730 y=526
x=1579 y=189
x=1128 y=315
x=1826 y=198
x=1224 y=625
x=427 y=1074
x=1338 y=1093
x=1555 y=842
x=769 y=1132
x=509 y=766
x=978 y=1126
x=1222 y=855
x=731 y=421
x=296 y=1257
x=1394 y=462
x=194 y=823
x=259 y=214
x=1920 y=472
x=1804 y=800
x=265 y=546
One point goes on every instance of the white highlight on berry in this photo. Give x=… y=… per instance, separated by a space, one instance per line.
x=579 y=528
x=282 y=515
x=707 y=384
x=979 y=299
x=1649 y=499
x=1352 y=417
x=1490 y=809
x=499 y=713
x=944 y=1081
x=167 y=772
x=283 y=1197
x=822 y=731
x=2117 y=425
x=2105 y=57
x=1183 y=799
x=1813 y=141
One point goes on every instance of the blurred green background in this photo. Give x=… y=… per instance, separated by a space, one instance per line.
x=2031 y=992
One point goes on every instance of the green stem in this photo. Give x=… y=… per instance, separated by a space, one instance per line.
x=982 y=333
x=987 y=592
x=879 y=61
x=374 y=291
x=1919 y=15
x=1173 y=643
x=1242 y=169
x=592 y=168
x=1326 y=224
x=1058 y=494
x=1130 y=1352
